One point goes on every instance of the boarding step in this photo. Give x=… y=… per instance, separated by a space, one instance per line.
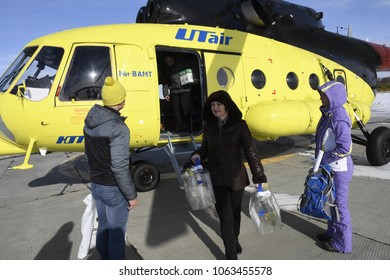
x=174 y=149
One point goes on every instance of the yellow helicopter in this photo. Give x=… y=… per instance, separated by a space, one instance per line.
x=270 y=56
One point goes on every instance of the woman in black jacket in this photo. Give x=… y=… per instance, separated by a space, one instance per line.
x=225 y=136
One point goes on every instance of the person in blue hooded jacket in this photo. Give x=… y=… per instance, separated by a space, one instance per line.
x=333 y=136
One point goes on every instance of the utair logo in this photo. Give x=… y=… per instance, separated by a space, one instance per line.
x=70 y=140
x=203 y=36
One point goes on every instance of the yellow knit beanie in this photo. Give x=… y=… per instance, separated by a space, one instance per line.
x=113 y=92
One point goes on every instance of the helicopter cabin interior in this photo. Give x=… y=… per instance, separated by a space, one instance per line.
x=189 y=103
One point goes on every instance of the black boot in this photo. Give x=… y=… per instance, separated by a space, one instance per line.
x=324 y=237
x=231 y=256
x=231 y=253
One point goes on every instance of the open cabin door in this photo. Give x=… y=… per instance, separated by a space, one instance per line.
x=181 y=92
x=340 y=76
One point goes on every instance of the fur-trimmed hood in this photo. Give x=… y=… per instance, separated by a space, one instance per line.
x=223 y=97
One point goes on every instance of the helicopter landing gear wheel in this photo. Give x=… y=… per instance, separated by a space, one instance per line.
x=378 y=146
x=146 y=176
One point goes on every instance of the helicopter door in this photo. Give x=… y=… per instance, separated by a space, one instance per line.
x=33 y=89
x=181 y=94
x=135 y=70
x=340 y=77
x=225 y=72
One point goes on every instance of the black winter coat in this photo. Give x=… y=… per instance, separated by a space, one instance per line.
x=223 y=148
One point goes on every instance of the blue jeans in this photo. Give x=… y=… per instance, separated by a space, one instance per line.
x=113 y=214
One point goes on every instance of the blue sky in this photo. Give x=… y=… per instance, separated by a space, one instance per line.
x=24 y=20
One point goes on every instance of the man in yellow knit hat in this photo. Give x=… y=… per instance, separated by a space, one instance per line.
x=107 y=140
x=113 y=93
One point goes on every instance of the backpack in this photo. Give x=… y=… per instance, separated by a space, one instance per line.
x=319 y=197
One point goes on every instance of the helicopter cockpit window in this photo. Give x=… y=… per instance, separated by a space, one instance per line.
x=89 y=67
x=36 y=81
x=292 y=80
x=9 y=76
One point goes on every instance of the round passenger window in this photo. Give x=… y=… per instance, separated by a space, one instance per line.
x=258 y=79
x=314 y=81
x=292 y=80
x=225 y=77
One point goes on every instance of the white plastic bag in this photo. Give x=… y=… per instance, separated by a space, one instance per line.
x=88 y=227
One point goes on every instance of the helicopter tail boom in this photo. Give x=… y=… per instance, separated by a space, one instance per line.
x=384 y=53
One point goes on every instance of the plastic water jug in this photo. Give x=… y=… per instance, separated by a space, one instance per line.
x=264 y=210
x=198 y=187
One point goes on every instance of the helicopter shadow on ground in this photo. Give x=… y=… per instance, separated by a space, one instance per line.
x=73 y=171
x=284 y=145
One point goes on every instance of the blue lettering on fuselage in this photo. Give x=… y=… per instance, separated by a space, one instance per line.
x=203 y=36
x=135 y=73
x=124 y=74
x=70 y=140
x=146 y=74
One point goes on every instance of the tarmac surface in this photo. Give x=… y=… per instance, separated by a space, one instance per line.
x=41 y=210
